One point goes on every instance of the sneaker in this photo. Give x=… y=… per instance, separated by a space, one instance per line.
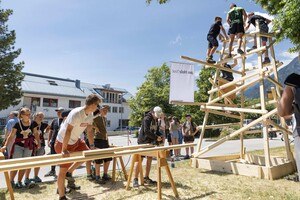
x=37 y=179
x=135 y=183
x=229 y=56
x=63 y=198
x=67 y=191
x=13 y=185
x=69 y=177
x=240 y=51
x=73 y=186
x=19 y=185
x=252 y=48
x=267 y=60
x=27 y=181
x=210 y=60
x=50 y=173
x=106 y=177
x=186 y=157
x=100 y=181
x=149 y=181
x=90 y=177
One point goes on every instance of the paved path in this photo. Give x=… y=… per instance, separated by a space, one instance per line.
x=228 y=147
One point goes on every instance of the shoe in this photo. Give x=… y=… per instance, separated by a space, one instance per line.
x=69 y=177
x=19 y=185
x=186 y=157
x=135 y=183
x=240 y=51
x=229 y=56
x=13 y=185
x=63 y=198
x=27 y=181
x=37 y=179
x=72 y=186
x=177 y=158
x=106 y=177
x=148 y=181
x=100 y=181
x=50 y=173
x=90 y=177
x=267 y=60
x=252 y=48
x=210 y=60
x=67 y=191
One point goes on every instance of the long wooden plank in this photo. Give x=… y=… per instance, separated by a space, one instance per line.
x=222 y=113
x=247 y=110
x=213 y=126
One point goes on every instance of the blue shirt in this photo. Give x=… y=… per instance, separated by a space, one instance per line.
x=10 y=124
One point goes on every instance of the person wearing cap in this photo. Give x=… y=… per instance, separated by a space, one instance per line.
x=189 y=129
x=68 y=140
x=54 y=127
x=13 y=119
x=101 y=142
x=148 y=134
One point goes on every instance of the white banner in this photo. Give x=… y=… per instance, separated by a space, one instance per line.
x=182 y=82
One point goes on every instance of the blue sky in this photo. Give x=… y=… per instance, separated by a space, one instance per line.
x=114 y=41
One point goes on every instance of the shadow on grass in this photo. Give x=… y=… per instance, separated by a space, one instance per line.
x=74 y=195
x=215 y=173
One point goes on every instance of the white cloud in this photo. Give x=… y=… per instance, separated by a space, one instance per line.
x=177 y=40
x=286 y=57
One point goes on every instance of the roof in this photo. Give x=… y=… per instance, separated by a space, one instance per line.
x=41 y=84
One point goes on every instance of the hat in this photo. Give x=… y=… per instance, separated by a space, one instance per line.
x=157 y=111
x=65 y=113
x=60 y=109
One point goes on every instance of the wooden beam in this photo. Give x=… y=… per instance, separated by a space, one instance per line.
x=270 y=122
x=247 y=110
x=222 y=68
x=215 y=126
x=222 y=113
x=235 y=133
x=275 y=82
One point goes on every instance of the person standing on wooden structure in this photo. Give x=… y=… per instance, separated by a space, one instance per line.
x=68 y=140
x=148 y=135
x=212 y=35
x=189 y=129
x=290 y=104
x=236 y=18
x=263 y=26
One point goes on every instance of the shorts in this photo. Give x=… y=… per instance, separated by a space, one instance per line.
x=174 y=134
x=264 y=29
x=188 y=139
x=236 y=28
x=21 y=152
x=40 y=152
x=78 y=146
x=102 y=144
x=212 y=42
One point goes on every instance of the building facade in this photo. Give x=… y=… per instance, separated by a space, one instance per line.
x=45 y=94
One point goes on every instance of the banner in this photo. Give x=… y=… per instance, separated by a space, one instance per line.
x=182 y=82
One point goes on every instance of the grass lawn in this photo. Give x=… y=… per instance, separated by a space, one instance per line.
x=191 y=184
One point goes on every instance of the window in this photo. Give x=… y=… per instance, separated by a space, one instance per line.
x=52 y=82
x=50 y=102
x=35 y=101
x=108 y=123
x=74 y=104
x=115 y=109
x=121 y=109
x=2 y=121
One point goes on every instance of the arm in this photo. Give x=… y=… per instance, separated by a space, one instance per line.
x=90 y=135
x=9 y=139
x=37 y=137
x=147 y=130
x=285 y=103
x=66 y=140
x=247 y=27
x=224 y=32
x=50 y=133
x=244 y=16
x=234 y=63
x=227 y=19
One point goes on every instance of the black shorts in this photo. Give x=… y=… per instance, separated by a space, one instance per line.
x=188 y=139
x=236 y=28
x=212 y=41
x=168 y=136
x=264 y=29
x=101 y=144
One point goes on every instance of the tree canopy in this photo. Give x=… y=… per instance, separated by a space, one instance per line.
x=10 y=73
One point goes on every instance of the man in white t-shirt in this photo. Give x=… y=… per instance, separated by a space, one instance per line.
x=68 y=140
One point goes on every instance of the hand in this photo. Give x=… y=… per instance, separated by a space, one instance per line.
x=159 y=139
x=3 y=149
x=65 y=153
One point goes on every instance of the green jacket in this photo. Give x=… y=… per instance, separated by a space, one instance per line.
x=236 y=15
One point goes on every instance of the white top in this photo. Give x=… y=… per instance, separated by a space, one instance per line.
x=79 y=120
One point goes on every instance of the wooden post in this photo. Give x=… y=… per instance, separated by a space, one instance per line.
x=7 y=180
x=135 y=159
x=114 y=169
x=123 y=168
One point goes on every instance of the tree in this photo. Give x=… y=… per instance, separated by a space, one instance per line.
x=10 y=73
x=153 y=92
x=286 y=18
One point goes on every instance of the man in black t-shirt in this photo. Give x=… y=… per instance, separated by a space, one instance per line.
x=212 y=35
x=54 y=128
x=263 y=26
